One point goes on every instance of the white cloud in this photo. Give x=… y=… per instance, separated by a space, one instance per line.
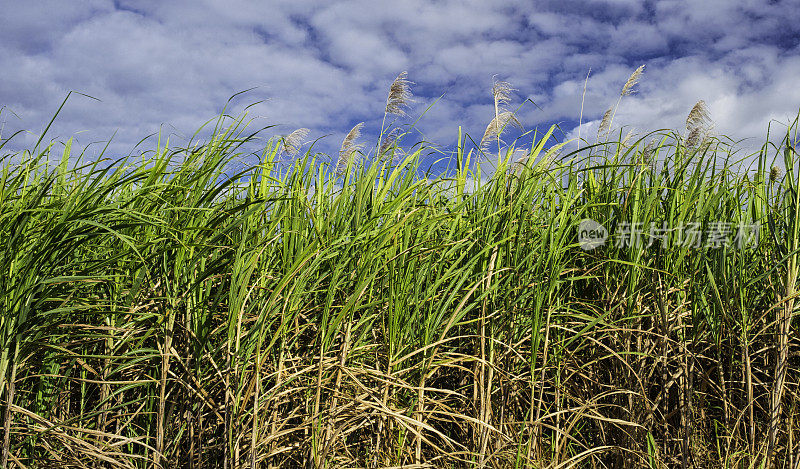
x=326 y=66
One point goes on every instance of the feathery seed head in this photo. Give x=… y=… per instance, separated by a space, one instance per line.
x=627 y=138
x=389 y=140
x=520 y=155
x=399 y=95
x=632 y=81
x=648 y=155
x=496 y=126
x=349 y=147
x=501 y=90
x=605 y=122
x=698 y=124
x=694 y=137
x=292 y=142
x=698 y=116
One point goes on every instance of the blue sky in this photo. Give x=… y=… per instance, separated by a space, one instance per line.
x=172 y=65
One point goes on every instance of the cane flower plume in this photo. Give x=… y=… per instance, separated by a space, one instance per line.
x=349 y=147
x=293 y=141
x=399 y=95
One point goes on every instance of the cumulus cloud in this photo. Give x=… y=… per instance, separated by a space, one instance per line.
x=326 y=66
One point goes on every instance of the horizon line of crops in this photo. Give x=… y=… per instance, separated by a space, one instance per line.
x=166 y=312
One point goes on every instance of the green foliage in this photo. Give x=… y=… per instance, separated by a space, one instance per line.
x=166 y=310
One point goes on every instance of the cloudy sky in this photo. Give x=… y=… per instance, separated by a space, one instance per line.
x=172 y=65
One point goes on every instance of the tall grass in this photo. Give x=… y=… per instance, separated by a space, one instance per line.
x=162 y=311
